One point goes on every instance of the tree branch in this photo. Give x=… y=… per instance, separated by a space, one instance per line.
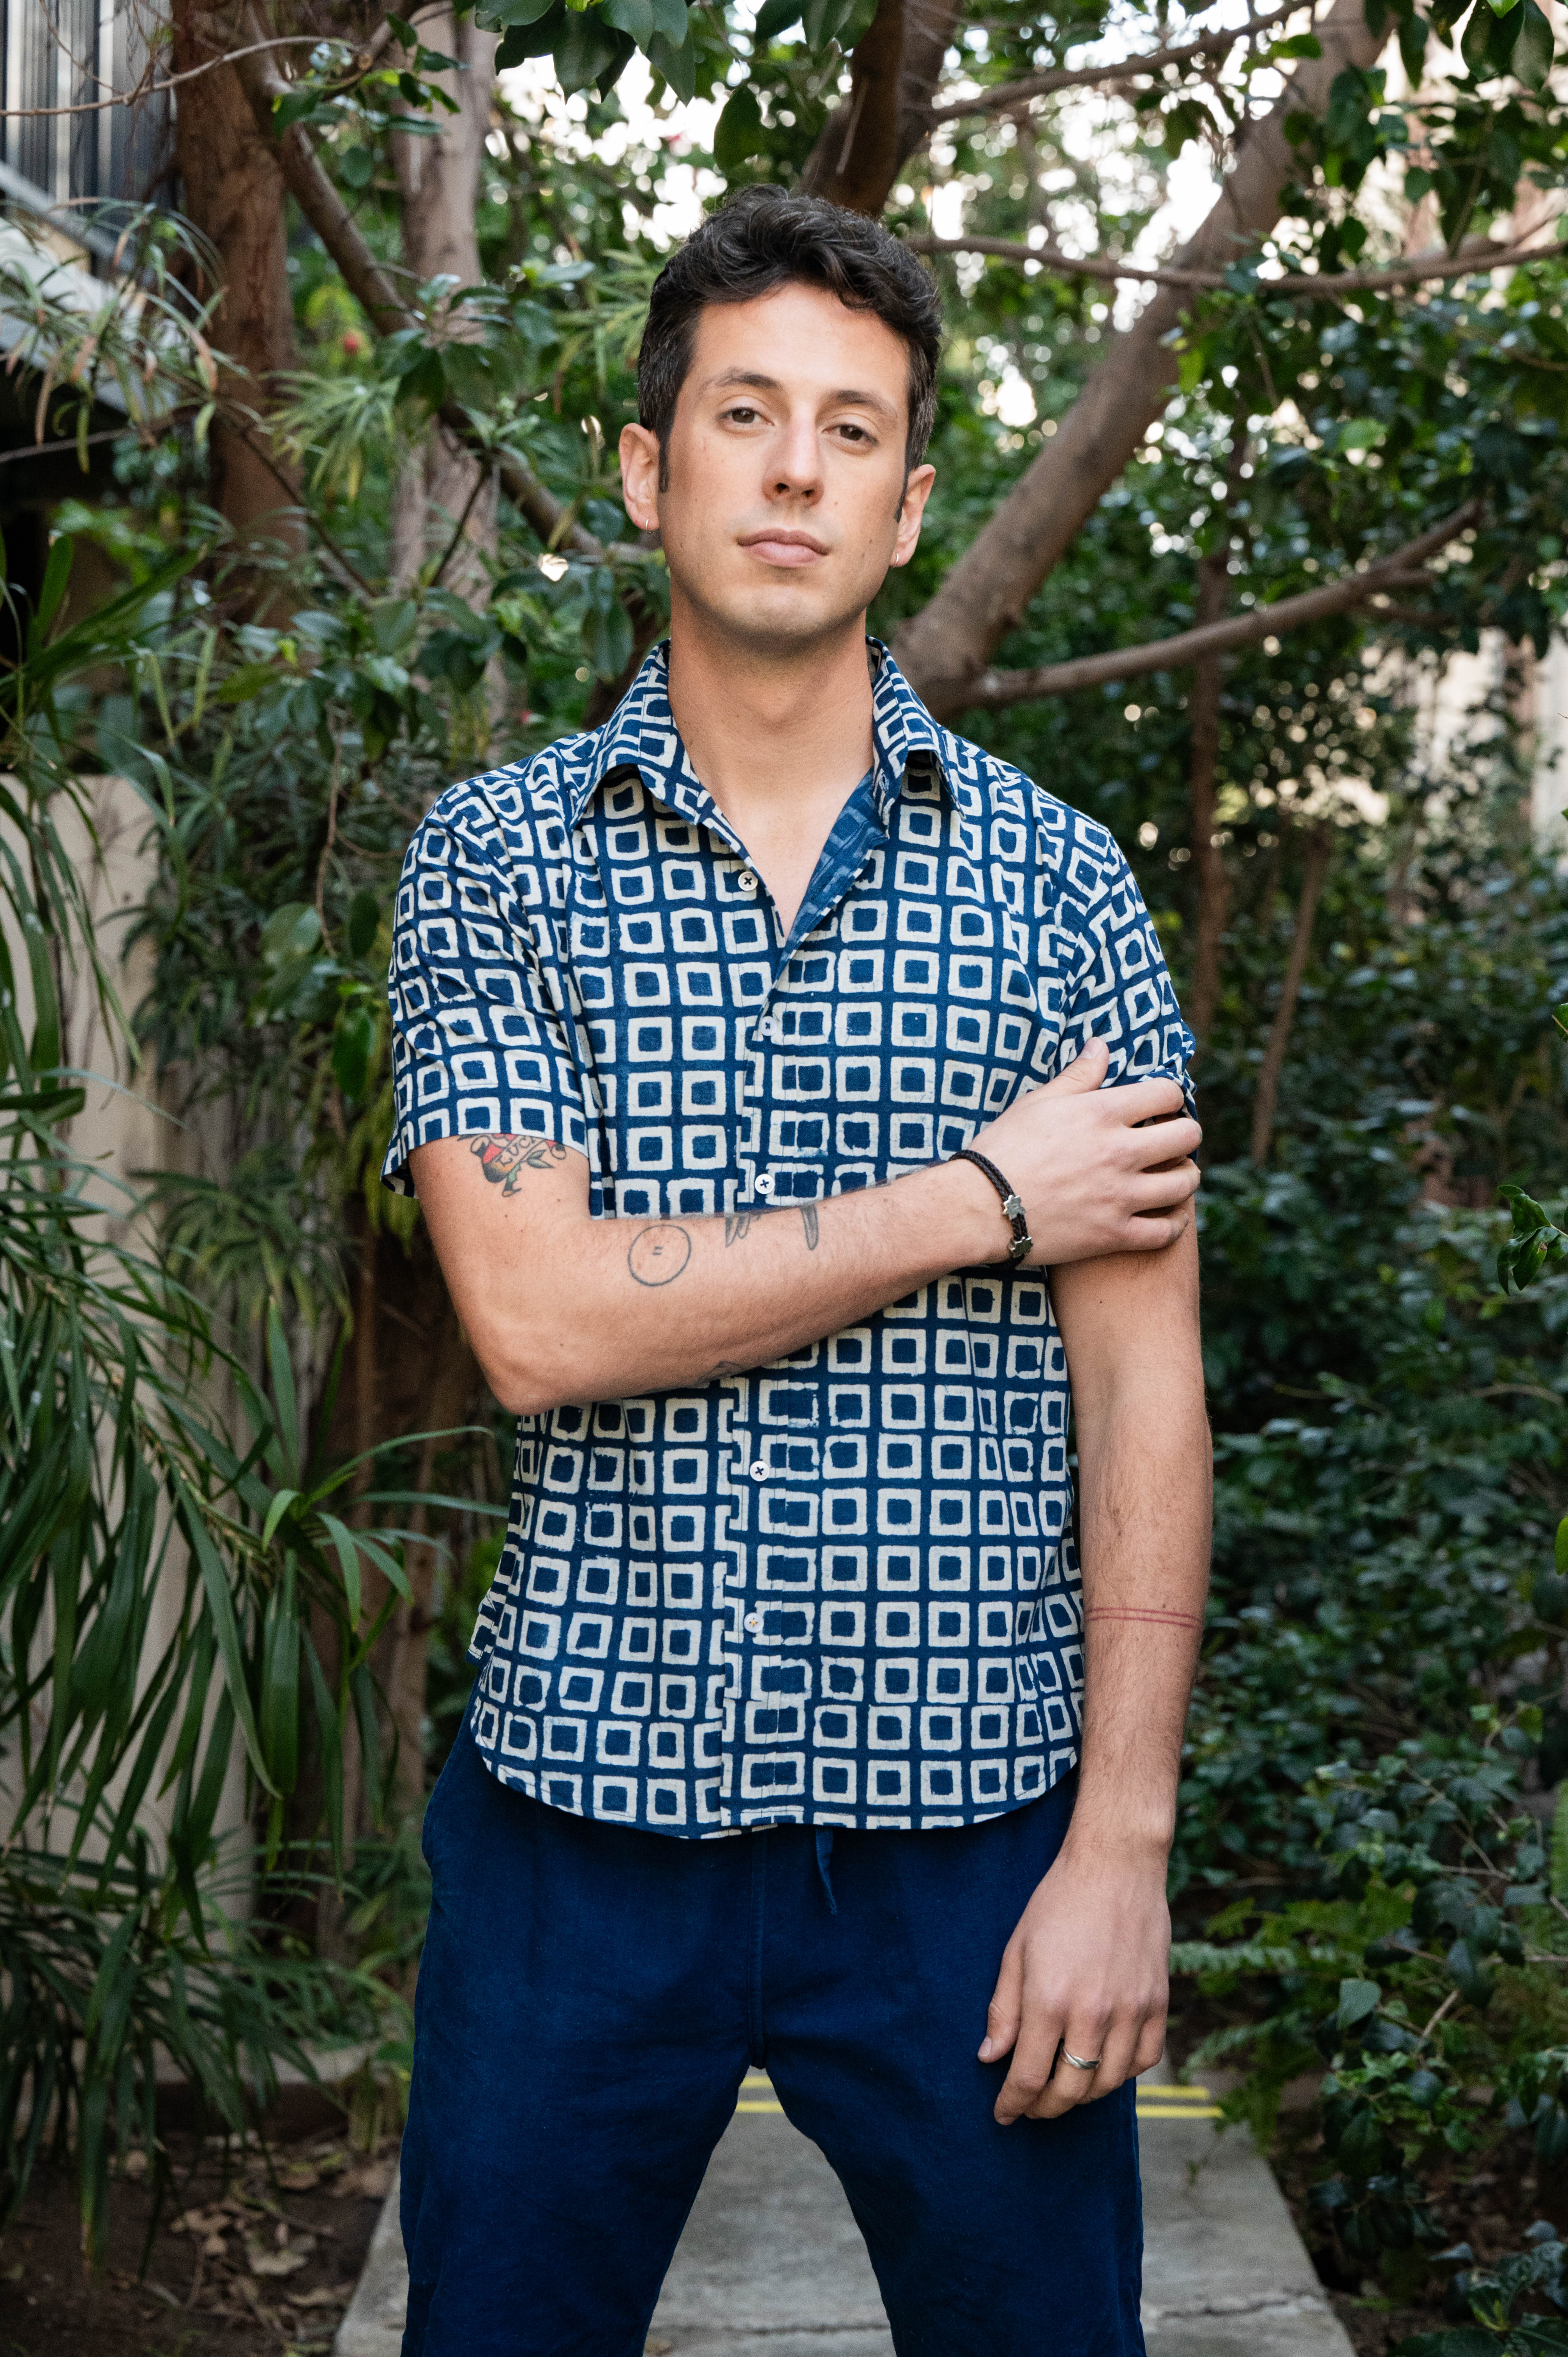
x=994 y=688
x=156 y=88
x=1006 y=95
x=945 y=646
x=857 y=156
x=1475 y=253
x=379 y=297
x=364 y=58
x=894 y=68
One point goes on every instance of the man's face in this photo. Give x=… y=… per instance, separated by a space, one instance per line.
x=785 y=502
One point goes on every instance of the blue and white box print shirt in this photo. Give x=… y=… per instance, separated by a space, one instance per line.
x=841 y=1588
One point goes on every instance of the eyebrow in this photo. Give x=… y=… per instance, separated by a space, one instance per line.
x=847 y=396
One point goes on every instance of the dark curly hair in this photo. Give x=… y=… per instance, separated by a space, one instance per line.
x=763 y=238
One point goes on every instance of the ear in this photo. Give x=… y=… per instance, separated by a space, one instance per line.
x=640 y=476
x=911 y=509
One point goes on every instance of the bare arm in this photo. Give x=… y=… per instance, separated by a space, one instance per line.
x=559 y=1306
x=1087 y=1966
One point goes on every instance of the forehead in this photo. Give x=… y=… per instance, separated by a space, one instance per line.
x=812 y=345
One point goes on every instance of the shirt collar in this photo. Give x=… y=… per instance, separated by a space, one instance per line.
x=641 y=735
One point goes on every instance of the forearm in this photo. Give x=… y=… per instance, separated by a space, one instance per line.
x=1084 y=1976
x=1145 y=1522
x=560 y=1306
x=620 y=1305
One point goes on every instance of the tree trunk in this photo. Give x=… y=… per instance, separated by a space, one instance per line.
x=234 y=196
x=1207 y=859
x=894 y=68
x=1319 y=843
x=984 y=595
x=451 y=494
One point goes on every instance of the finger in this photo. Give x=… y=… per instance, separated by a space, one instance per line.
x=1004 y=2012
x=1069 y=2086
x=1161 y=1190
x=1165 y=1144
x=1029 y=2081
x=1117 y=2052
x=1086 y=1071
x=1152 y=1231
x=1134 y=1102
x=1151 y=2046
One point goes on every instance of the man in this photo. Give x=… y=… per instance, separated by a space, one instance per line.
x=775 y=1753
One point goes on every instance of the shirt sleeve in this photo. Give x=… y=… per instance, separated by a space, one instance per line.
x=480 y=1040
x=1118 y=987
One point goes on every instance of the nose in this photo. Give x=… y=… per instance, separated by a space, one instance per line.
x=794 y=461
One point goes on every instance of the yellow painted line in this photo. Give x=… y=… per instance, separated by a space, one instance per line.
x=1152 y=2104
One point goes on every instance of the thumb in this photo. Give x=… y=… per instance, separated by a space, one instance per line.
x=1087 y=1071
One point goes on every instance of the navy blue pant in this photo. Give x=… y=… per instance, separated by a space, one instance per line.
x=591 y=1997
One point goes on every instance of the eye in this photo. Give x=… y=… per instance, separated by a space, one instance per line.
x=852 y=433
x=742 y=413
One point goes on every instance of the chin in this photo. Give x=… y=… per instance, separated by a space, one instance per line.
x=776 y=617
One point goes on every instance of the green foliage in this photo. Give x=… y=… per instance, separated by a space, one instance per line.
x=1425 y=1976
x=164 y=1588
x=105 y=1989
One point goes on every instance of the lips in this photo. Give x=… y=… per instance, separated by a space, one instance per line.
x=792 y=549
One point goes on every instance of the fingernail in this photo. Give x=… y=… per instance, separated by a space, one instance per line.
x=986 y=2049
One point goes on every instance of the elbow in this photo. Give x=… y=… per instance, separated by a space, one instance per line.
x=519 y=1390
x=523 y=1381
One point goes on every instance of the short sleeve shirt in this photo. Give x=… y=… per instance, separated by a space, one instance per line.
x=840 y=1589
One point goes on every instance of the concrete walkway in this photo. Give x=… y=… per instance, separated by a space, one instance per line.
x=772 y=2264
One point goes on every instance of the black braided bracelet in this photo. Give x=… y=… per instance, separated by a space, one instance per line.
x=1012 y=1204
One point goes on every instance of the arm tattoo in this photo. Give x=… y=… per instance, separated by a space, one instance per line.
x=658 y=1253
x=504 y=1159
x=738 y=1227
x=808 y=1219
x=1160 y=1618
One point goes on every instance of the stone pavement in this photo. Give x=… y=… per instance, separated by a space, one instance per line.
x=772 y=2264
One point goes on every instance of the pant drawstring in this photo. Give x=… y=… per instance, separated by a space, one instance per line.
x=824 y=1852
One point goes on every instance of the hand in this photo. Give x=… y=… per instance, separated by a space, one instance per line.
x=1093 y=1179
x=1087 y=1968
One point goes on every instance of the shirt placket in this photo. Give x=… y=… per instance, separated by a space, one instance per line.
x=772 y=1631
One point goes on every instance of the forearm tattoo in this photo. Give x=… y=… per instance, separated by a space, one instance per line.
x=1160 y=1618
x=739 y=1225
x=503 y=1160
x=658 y=1253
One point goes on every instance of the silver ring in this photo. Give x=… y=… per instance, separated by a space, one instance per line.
x=1078 y=2061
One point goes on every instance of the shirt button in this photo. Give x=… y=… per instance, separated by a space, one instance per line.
x=759 y=1470
x=765 y=1029
x=752 y=1620
x=746 y=881
x=762 y=1184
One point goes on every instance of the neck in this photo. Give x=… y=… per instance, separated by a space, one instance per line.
x=772 y=733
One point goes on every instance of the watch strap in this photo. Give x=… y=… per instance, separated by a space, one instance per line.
x=1012 y=1204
